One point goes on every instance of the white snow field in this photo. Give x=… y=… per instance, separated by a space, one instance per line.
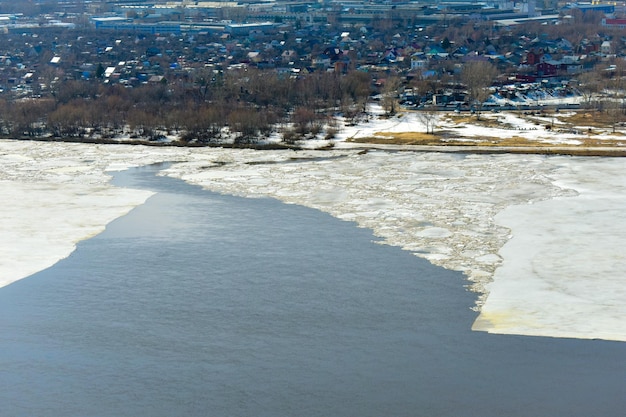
x=540 y=238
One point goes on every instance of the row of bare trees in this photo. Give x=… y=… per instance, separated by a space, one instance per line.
x=247 y=105
x=604 y=90
x=208 y=107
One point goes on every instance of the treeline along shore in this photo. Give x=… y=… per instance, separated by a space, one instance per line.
x=235 y=107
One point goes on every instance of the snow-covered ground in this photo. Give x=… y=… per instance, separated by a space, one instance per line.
x=544 y=235
x=501 y=125
x=533 y=95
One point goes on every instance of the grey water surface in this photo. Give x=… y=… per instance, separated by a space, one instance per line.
x=199 y=304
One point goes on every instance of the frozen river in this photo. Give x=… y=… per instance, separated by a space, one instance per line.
x=540 y=238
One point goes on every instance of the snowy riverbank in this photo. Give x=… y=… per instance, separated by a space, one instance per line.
x=548 y=229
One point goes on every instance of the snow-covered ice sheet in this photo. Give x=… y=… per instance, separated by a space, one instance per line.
x=564 y=271
x=471 y=213
x=53 y=196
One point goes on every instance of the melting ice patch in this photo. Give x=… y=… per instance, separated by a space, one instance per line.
x=564 y=270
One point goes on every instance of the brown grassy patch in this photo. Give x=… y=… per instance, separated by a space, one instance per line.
x=605 y=143
x=517 y=141
x=485 y=121
x=513 y=141
x=587 y=146
x=444 y=138
x=401 y=138
x=590 y=118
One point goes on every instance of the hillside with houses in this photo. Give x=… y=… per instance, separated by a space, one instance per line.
x=105 y=69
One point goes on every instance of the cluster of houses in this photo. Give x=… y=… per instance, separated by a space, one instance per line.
x=142 y=48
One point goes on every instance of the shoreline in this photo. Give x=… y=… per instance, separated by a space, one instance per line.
x=470 y=148
x=498 y=150
x=569 y=132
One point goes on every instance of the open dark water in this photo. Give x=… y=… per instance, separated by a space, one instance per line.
x=197 y=304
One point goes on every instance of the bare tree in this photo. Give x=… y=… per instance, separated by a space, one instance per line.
x=614 y=109
x=589 y=85
x=247 y=124
x=27 y=117
x=390 y=95
x=142 y=123
x=478 y=77
x=615 y=85
x=428 y=118
x=355 y=87
x=424 y=86
x=616 y=80
x=68 y=120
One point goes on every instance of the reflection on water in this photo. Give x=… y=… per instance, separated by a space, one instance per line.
x=197 y=304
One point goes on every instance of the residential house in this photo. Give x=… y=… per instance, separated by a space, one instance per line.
x=533 y=58
x=418 y=63
x=436 y=50
x=572 y=63
x=289 y=55
x=548 y=68
x=322 y=61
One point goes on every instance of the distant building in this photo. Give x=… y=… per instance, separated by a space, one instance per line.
x=533 y=58
x=605 y=47
x=106 y=22
x=614 y=23
x=548 y=69
x=587 y=7
x=239 y=29
x=418 y=63
x=122 y=23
